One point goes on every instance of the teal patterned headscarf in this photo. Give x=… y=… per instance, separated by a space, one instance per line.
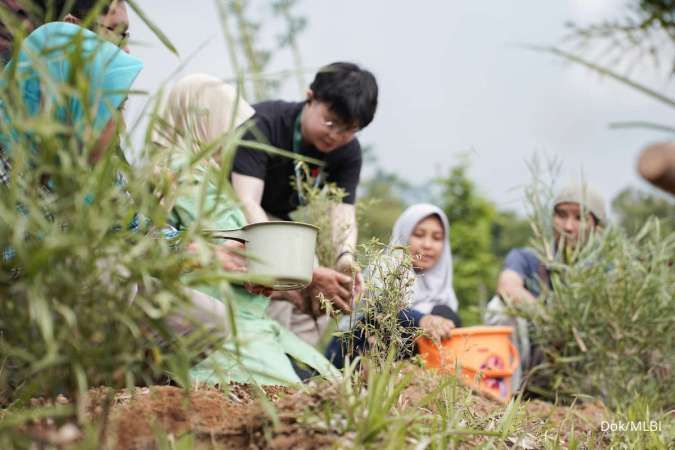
x=97 y=75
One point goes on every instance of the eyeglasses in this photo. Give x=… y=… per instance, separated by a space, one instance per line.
x=121 y=36
x=334 y=127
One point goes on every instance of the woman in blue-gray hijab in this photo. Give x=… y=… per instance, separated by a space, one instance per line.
x=68 y=73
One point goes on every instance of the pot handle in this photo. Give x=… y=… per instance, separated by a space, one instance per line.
x=233 y=235
x=515 y=355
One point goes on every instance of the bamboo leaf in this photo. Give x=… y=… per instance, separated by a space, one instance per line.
x=154 y=28
x=605 y=72
x=643 y=124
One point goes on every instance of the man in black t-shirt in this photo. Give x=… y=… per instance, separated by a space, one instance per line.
x=341 y=100
x=275 y=122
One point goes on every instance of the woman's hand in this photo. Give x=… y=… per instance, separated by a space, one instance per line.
x=436 y=327
x=227 y=254
x=230 y=258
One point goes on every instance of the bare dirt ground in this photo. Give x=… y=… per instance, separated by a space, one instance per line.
x=240 y=417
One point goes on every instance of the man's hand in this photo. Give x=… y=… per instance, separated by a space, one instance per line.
x=347 y=265
x=511 y=288
x=335 y=286
x=358 y=285
x=256 y=289
x=436 y=327
x=301 y=300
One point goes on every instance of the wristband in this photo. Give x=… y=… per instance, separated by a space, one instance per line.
x=346 y=252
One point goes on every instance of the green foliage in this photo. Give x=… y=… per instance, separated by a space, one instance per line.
x=603 y=327
x=87 y=278
x=644 y=29
x=379 y=206
x=295 y=25
x=389 y=279
x=242 y=30
x=318 y=212
x=633 y=208
x=606 y=327
x=256 y=57
x=640 y=410
x=370 y=415
x=479 y=235
x=509 y=231
x=398 y=406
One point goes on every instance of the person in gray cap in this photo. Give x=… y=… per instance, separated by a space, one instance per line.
x=578 y=210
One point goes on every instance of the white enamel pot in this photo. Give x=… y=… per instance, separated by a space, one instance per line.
x=280 y=251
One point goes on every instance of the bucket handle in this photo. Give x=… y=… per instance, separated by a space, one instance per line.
x=515 y=355
x=238 y=235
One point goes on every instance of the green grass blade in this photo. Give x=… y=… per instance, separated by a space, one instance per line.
x=154 y=28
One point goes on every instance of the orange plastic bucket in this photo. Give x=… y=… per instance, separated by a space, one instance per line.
x=485 y=355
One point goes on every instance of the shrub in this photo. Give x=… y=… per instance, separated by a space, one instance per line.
x=606 y=327
x=317 y=211
x=87 y=277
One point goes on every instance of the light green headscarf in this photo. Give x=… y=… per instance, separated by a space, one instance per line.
x=199 y=110
x=204 y=108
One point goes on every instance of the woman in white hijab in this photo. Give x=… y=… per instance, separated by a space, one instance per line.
x=200 y=111
x=424 y=230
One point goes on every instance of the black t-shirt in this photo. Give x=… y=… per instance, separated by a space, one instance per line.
x=275 y=120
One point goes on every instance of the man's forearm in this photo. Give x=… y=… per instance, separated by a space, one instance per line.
x=511 y=287
x=254 y=212
x=250 y=192
x=345 y=231
x=518 y=295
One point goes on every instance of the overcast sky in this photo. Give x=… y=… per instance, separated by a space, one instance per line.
x=453 y=79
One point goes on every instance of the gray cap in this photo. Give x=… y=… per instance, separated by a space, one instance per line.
x=586 y=196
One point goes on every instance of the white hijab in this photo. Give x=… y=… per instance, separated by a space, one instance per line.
x=433 y=286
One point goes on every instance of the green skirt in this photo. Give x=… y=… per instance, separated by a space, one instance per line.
x=260 y=349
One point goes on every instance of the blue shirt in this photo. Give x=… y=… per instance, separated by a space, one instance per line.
x=525 y=263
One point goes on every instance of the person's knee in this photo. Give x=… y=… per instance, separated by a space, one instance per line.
x=335 y=352
x=448 y=313
x=496 y=315
x=498 y=319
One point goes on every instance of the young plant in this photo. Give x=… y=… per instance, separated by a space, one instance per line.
x=317 y=210
x=389 y=279
x=88 y=277
x=604 y=324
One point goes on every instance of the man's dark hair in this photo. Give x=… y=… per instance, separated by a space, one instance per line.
x=349 y=91
x=39 y=12
x=78 y=8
